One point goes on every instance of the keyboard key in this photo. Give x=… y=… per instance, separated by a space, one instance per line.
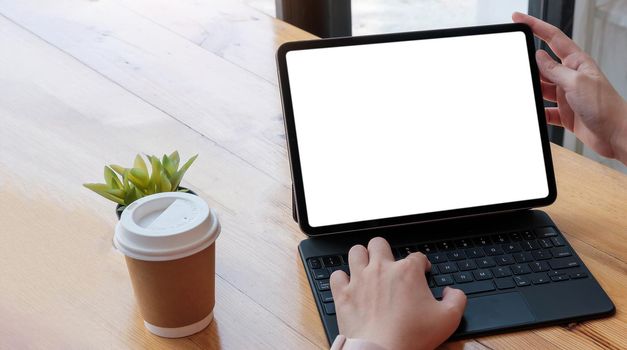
x=329 y=308
x=563 y=263
x=326 y=297
x=436 y=258
x=403 y=252
x=530 y=245
x=523 y=257
x=539 y=266
x=456 y=255
x=476 y=287
x=554 y=273
x=500 y=238
x=466 y=265
x=515 y=236
x=446 y=245
x=545 y=232
x=577 y=275
x=493 y=250
x=396 y=253
x=331 y=260
x=323 y=285
x=557 y=241
x=437 y=292
x=474 y=253
x=482 y=241
x=522 y=281
x=320 y=274
x=539 y=279
x=427 y=248
x=511 y=247
x=431 y=282
x=463 y=277
x=560 y=252
x=482 y=275
x=447 y=267
x=314 y=263
x=559 y=278
x=528 y=235
x=545 y=243
x=443 y=280
x=520 y=269
x=335 y=268
x=504 y=283
x=463 y=243
x=504 y=260
x=345 y=259
x=485 y=262
x=542 y=254
x=502 y=271
x=434 y=270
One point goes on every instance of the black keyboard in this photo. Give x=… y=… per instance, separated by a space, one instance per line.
x=477 y=264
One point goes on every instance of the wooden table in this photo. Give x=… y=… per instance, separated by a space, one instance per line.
x=88 y=83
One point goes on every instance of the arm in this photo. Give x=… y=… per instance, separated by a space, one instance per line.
x=587 y=104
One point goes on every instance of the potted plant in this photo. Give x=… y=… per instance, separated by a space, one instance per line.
x=126 y=185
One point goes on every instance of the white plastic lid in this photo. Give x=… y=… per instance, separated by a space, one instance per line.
x=166 y=226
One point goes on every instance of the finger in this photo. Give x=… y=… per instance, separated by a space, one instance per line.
x=545 y=79
x=455 y=301
x=357 y=258
x=553 y=116
x=379 y=250
x=559 y=42
x=567 y=116
x=555 y=72
x=548 y=91
x=338 y=280
x=422 y=260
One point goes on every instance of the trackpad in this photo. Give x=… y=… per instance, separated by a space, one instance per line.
x=495 y=312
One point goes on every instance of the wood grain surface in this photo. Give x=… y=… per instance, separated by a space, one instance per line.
x=89 y=83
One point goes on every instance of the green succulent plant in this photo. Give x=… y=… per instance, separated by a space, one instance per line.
x=126 y=185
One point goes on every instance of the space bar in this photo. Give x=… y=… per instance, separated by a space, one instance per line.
x=467 y=288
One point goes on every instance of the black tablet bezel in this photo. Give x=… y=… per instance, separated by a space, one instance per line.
x=292 y=144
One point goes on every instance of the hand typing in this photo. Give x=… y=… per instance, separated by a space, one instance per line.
x=389 y=303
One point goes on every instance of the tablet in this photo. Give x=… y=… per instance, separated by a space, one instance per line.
x=397 y=129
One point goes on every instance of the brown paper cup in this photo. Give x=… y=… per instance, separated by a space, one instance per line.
x=168 y=240
x=175 y=297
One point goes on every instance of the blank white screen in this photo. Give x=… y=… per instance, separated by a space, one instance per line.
x=413 y=127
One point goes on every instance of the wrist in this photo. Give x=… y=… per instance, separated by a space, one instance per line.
x=343 y=343
x=405 y=343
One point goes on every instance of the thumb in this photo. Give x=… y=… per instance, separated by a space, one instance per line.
x=555 y=72
x=455 y=301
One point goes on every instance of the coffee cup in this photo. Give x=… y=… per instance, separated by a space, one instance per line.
x=168 y=240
